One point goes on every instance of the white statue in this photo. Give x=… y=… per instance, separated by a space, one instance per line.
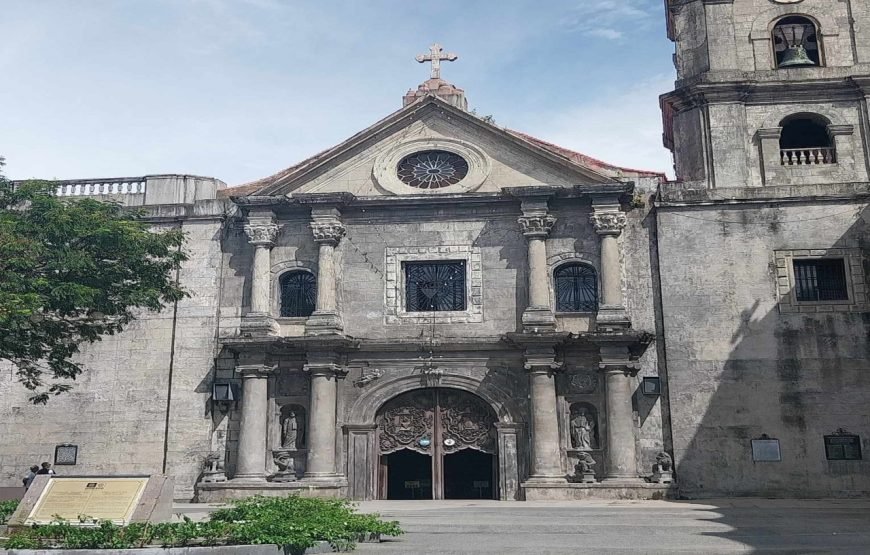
x=291 y=431
x=583 y=431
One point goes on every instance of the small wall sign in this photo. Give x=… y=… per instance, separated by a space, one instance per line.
x=766 y=449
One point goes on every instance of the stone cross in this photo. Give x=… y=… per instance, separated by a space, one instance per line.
x=435 y=56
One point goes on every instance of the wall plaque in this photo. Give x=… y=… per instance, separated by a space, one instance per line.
x=120 y=499
x=766 y=449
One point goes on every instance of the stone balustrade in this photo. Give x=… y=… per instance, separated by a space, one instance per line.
x=95 y=187
x=807 y=156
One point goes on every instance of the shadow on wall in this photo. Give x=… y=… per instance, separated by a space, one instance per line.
x=794 y=374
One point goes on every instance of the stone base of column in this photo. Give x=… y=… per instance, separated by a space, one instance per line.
x=537 y=319
x=258 y=324
x=545 y=480
x=248 y=479
x=323 y=323
x=324 y=479
x=612 y=318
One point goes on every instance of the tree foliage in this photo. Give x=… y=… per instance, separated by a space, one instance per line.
x=72 y=271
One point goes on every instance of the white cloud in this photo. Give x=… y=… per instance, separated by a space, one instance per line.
x=610 y=19
x=605 y=33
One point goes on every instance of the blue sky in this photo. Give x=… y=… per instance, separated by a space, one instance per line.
x=238 y=89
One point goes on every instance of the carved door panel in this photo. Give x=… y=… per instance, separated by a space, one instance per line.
x=436 y=423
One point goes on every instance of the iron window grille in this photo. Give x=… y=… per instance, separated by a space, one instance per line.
x=435 y=286
x=298 y=294
x=576 y=288
x=820 y=280
x=432 y=169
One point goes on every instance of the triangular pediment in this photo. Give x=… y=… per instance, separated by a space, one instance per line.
x=365 y=164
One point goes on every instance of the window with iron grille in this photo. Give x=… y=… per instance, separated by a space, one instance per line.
x=820 y=280
x=576 y=288
x=298 y=294
x=843 y=447
x=435 y=286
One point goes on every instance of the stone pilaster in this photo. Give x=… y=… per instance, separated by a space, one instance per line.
x=609 y=221
x=328 y=231
x=536 y=224
x=619 y=372
x=546 y=450
x=261 y=232
x=325 y=372
x=251 y=464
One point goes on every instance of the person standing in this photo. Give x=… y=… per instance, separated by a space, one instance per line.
x=46 y=469
x=28 y=478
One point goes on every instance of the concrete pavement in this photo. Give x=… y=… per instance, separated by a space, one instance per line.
x=712 y=526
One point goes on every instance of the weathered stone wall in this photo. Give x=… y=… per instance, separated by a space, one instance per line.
x=116 y=412
x=739 y=367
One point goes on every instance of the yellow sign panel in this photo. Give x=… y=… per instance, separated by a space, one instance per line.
x=112 y=499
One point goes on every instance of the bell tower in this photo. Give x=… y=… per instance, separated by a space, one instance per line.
x=768 y=92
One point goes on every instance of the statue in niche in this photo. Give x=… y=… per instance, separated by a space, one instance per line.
x=584 y=470
x=292 y=430
x=583 y=430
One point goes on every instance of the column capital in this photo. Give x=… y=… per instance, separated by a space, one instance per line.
x=541 y=360
x=536 y=225
x=616 y=359
x=255 y=370
x=328 y=230
x=609 y=222
x=325 y=369
x=261 y=234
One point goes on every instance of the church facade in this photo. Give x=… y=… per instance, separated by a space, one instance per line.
x=441 y=308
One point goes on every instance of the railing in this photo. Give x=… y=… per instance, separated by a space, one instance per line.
x=807 y=156
x=93 y=187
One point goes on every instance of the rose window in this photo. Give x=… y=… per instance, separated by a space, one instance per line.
x=432 y=169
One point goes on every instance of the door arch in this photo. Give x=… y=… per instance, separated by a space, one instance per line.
x=437 y=443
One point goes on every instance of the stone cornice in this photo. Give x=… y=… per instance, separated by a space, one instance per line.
x=674 y=197
x=749 y=88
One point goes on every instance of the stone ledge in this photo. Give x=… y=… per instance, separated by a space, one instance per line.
x=572 y=491
x=226 y=491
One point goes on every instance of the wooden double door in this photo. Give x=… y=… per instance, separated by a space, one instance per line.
x=437 y=443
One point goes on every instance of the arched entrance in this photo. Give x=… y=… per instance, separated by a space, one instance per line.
x=437 y=443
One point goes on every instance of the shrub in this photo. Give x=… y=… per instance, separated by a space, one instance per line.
x=6 y=510
x=293 y=522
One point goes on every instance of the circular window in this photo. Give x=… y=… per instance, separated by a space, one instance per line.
x=432 y=169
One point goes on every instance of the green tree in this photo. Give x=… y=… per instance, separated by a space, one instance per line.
x=72 y=271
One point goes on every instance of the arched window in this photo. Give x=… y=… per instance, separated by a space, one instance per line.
x=805 y=141
x=795 y=42
x=576 y=288
x=298 y=294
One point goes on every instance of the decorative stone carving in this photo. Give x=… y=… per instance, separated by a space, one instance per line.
x=261 y=234
x=328 y=231
x=584 y=429
x=583 y=382
x=368 y=376
x=663 y=469
x=584 y=470
x=285 y=460
x=538 y=225
x=213 y=471
x=293 y=429
x=608 y=223
x=468 y=422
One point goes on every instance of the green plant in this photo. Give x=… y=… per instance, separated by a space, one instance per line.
x=293 y=522
x=6 y=510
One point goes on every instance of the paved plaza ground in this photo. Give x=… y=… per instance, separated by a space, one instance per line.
x=711 y=526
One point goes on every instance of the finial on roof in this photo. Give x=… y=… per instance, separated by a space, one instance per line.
x=435 y=85
x=435 y=56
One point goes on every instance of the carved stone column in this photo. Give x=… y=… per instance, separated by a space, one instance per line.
x=546 y=449
x=261 y=234
x=609 y=221
x=328 y=231
x=536 y=225
x=619 y=372
x=325 y=373
x=251 y=463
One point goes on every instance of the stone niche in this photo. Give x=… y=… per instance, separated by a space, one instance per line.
x=288 y=439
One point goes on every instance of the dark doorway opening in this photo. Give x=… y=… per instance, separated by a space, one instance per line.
x=468 y=474
x=409 y=475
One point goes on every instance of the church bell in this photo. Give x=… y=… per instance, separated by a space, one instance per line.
x=796 y=56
